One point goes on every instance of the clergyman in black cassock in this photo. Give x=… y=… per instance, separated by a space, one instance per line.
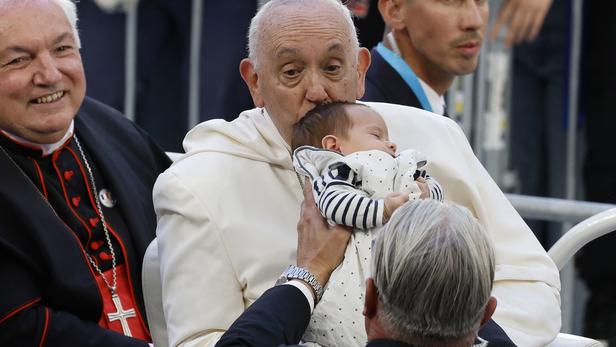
x=76 y=212
x=52 y=293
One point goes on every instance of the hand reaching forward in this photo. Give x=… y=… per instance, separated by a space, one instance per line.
x=320 y=246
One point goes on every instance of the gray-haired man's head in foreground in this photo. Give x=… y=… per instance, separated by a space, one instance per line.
x=432 y=273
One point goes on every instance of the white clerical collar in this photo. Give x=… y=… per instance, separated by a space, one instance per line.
x=47 y=149
x=437 y=102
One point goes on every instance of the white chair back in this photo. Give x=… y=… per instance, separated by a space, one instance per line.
x=153 y=296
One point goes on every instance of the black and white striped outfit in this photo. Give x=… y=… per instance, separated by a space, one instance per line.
x=349 y=190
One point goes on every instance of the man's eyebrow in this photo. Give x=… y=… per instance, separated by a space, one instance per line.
x=14 y=49
x=21 y=49
x=335 y=47
x=62 y=37
x=286 y=51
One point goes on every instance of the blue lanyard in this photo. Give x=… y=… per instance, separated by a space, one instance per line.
x=406 y=73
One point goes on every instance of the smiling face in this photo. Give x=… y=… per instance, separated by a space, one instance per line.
x=306 y=58
x=42 y=83
x=367 y=132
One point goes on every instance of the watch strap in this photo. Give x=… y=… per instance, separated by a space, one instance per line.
x=296 y=272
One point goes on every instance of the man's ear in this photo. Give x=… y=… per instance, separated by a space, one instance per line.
x=251 y=78
x=489 y=310
x=391 y=12
x=372 y=299
x=363 y=63
x=331 y=142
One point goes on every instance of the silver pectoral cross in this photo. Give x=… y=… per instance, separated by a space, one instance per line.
x=121 y=315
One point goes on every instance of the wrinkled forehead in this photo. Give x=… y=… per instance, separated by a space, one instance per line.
x=298 y=25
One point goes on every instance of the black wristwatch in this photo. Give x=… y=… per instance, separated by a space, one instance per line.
x=296 y=272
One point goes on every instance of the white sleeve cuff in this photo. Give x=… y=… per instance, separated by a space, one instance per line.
x=304 y=289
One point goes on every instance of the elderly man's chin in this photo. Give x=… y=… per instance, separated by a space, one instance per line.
x=47 y=129
x=48 y=123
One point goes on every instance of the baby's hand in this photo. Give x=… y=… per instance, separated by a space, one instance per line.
x=392 y=202
x=423 y=186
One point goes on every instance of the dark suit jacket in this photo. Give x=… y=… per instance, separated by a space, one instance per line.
x=384 y=84
x=49 y=296
x=281 y=315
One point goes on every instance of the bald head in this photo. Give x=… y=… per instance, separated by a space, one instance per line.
x=276 y=16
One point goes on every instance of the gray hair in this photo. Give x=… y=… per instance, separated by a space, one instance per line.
x=70 y=11
x=255 y=31
x=433 y=267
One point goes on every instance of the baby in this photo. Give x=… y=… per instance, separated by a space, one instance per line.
x=358 y=181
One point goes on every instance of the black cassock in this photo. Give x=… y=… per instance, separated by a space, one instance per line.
x=50 y=293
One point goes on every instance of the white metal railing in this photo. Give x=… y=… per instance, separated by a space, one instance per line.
x=581 y=234
x=568 y=211
x=556 y=210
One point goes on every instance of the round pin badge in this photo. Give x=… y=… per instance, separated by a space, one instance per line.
x=106 y=198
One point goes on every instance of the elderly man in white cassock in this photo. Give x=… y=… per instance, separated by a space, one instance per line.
x=228 y=210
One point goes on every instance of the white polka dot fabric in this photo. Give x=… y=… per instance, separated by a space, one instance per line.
x=337 y=319
x=381 y=174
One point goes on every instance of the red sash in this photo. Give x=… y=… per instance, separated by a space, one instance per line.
x=128 y=312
